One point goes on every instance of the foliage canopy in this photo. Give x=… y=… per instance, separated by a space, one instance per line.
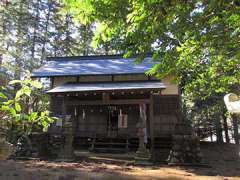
x=27 y=109
x=197 y=40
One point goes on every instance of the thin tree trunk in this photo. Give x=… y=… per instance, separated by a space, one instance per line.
x=218 y=127
x=235 y=128
x=225 y=126
x=55 y=46
x=43 y=53
x=106 y=48
x=3 y=31
x=17 y=69
x=211 y=134
x=86 y=40
x=0 y=60
x=211 y=130
x=36 y=21
x=67 y=43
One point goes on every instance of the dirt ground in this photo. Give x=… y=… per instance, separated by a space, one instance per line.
x=222 y=160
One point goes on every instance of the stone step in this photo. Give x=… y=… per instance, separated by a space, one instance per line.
x=109 y=150
x=110 y=143
x=161 y=155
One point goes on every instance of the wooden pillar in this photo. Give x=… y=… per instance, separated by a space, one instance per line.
x=52 y=82
x=142 y=155
x=235 y=128
x=105 y=98
x=51 y=104
x=151 y=125
x=64 y=108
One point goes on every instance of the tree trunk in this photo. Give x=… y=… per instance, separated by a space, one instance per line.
x=87 y=29
x=67 y=47
x=36 y=22
x=106 y=48
x=4 y=29
x=235 y=128
x=211 y=134
x=218 y=127
x=43 y=53
x=225 y=126
x=17 y=55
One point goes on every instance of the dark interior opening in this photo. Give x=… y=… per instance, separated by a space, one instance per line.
x=112 y=124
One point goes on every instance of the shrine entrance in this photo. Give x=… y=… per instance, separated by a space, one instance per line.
x=116 y=121
x=112 y=122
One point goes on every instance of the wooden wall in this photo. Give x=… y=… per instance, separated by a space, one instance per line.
x=135 y=77
x=95 y=122
x=172 y=87
x=56 y=81
x=133 y=117
x=56 y=105
x=94 y=78
x=165 y=108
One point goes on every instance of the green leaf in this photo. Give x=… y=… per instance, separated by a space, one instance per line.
x=9 y=102
x=18 y=107
x=4 y=108
x=18 y=117
x=3 y=96
x=25 y=116
x=36 y=84
x=33 y=116
x=13 y=112
x=27 y=91
x=19 y=94
x=43 y=114
x=15 y=82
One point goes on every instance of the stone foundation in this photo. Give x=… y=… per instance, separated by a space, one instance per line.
x=55 y=143
x=6 y=149
x=185 y=149
x=66 y=153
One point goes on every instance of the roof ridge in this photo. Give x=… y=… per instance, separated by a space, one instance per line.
x=90 y=57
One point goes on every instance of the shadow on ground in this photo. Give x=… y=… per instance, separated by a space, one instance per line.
x=222 y=159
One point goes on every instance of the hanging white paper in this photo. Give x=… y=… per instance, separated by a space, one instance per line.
x=122 y=121
x=75 y=111
x=83 y=114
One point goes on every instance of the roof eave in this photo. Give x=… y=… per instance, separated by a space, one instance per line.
x=72 y=75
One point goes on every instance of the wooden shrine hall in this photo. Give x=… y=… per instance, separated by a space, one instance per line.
x=111 y=102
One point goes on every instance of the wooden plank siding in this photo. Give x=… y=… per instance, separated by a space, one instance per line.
x=172 y=87
x=61 y=80
x=95 y=121
x=136 y=77
x=164 y=110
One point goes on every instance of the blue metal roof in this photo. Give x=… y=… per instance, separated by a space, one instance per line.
x=92 y=65
x=86 y=87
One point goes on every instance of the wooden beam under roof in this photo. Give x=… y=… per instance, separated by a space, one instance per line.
x=110 y=102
